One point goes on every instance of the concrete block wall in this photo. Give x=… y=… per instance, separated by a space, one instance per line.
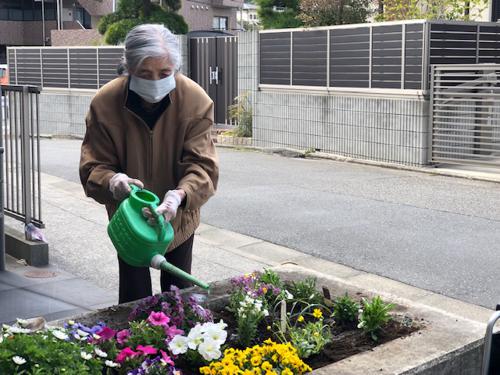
x=388 y=129
x=375 y=126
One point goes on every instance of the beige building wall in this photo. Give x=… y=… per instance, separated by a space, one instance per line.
x=199 y=14
x=28 y=33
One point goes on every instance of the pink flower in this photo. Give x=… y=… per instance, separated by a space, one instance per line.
x=173 y=331
x=158 y=319
x=165 y=358
x=106 y=333
x=122 y=336
x=124 y=354
x=146 y=350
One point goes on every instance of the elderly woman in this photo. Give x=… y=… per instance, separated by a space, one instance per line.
x=151 y=128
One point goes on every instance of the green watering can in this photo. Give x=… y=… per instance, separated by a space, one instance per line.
x=140 y=244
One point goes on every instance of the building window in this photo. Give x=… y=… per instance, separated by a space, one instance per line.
x=219 y=23
x=26 y=10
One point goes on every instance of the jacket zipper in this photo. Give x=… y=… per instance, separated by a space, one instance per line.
x=149 y=157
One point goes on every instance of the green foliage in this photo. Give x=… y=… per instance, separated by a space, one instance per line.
x=305 y=291
x=131 y=13
x=345 y=310
x=374 y=315
x=462 y=10
x=311 y=338
x=286 y=17
x=117 y=31
x=143 y=333
x=241 y=112
x=333 y=12
x=271 y=277
x=46 y=354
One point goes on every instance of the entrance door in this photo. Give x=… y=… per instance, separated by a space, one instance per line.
x=213 y=65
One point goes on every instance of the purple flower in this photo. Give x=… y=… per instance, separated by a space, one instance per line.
x=126 y=353
x=172 y=331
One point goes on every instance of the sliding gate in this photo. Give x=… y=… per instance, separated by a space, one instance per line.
x=465 y=114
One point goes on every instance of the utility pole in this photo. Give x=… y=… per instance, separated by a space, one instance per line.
x=43 y=22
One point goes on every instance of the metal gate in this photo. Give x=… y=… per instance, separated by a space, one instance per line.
x=213 y=65
x=465 y=114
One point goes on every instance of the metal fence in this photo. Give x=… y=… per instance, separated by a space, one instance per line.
x=63 y=67
x=465 y=102
x=21 y=143
x=389 y=55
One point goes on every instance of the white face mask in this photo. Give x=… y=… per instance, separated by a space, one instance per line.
x=152 y=91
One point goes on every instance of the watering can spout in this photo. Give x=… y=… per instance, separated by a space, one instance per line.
x=160 y=263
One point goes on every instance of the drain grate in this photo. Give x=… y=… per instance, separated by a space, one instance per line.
x=40 y=274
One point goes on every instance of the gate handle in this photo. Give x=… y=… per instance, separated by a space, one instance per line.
x=214 y=75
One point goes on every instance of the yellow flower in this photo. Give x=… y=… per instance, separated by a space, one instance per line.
x=316 y=334
x=300 y=319
x=266 y=366
x=264 y=290
x=268 y=328
x=317 y=313
x=286 y=371
x=256 y=360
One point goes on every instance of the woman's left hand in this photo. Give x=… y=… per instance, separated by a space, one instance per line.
x=168 y=208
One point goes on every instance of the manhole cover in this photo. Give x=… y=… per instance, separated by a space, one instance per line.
x=39 y=274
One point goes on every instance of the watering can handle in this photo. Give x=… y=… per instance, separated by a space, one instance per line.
x=160 y=220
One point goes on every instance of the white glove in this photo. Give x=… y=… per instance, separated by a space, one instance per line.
x=119 y=185
x=168 y=208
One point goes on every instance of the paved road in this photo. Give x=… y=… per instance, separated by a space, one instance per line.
x=434 y=232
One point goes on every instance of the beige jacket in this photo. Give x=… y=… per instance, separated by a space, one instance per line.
x=177 y=154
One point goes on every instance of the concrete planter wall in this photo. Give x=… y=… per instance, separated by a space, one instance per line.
x=449 y=341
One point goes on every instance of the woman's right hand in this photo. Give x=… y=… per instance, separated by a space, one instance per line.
x=119 y=185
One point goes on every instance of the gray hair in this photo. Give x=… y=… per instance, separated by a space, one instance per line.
x=151 y=40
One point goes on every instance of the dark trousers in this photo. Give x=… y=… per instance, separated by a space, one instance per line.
x=135 y=282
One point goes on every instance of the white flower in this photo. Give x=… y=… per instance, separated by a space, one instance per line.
x=265 y=312
x=178 y=345
x=100 y=353
x=215 y=333
x=60 y=334
x=1 y=339
x=221 y=324
x=209 y=349
x=15 y=329
x=71 y=322
x=22 y=322
x=85 y=355
x=288 y=295
x=96 y=336
x=111 y=364
x=18 y=360
x=195 y=337
x=82 y=333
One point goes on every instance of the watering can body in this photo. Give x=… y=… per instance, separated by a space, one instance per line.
x=135 y=240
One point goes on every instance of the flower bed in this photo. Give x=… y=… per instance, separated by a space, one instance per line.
x=258 y=324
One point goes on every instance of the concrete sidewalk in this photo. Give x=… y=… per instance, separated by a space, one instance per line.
x=83 y=271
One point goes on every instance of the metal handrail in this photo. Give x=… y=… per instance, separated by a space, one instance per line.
x=488 y=338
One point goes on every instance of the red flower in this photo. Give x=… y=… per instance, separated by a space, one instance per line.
x=106 y=333
x=165 y=358
x=146 y=350
x=158 y=319
x=122 y=336
x=124 y=354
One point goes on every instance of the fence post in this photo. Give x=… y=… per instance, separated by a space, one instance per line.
x=25 y=154
x=2 y=221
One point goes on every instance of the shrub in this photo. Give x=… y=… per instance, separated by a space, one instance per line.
x=241 y=113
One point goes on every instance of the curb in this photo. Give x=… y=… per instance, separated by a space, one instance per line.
x=431 y=169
